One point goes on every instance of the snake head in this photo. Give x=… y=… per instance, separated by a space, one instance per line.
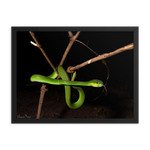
x=96 y=83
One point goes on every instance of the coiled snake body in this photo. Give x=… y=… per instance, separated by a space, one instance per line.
x=67 y=84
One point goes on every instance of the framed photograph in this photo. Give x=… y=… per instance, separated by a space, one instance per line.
x=74 y=74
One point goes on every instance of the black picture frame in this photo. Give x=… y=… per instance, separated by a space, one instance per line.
x=135 y=28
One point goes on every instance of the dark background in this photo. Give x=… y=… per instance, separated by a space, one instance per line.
x=30 y=59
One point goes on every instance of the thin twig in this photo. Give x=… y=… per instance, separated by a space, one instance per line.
x=103 y=56
x=42 y=50
x=104 y=62
x=72 y=40
x=88 y=47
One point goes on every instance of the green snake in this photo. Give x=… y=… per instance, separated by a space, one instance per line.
x=67 y=84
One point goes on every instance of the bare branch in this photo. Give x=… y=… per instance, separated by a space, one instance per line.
x=43 y=90
x=104 y=56
x=39 y=46
x=72 y=40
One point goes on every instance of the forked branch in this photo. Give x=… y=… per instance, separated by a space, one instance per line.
x=72 y=40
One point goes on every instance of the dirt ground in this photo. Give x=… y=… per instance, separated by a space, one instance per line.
x=117 y=104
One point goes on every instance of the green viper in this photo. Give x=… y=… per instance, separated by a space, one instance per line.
x=66 y=82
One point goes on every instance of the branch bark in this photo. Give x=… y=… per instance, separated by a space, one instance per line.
x=43 y=91
x=42 y=50
x=43 y=88
x=103 y=56
x=72 y=40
